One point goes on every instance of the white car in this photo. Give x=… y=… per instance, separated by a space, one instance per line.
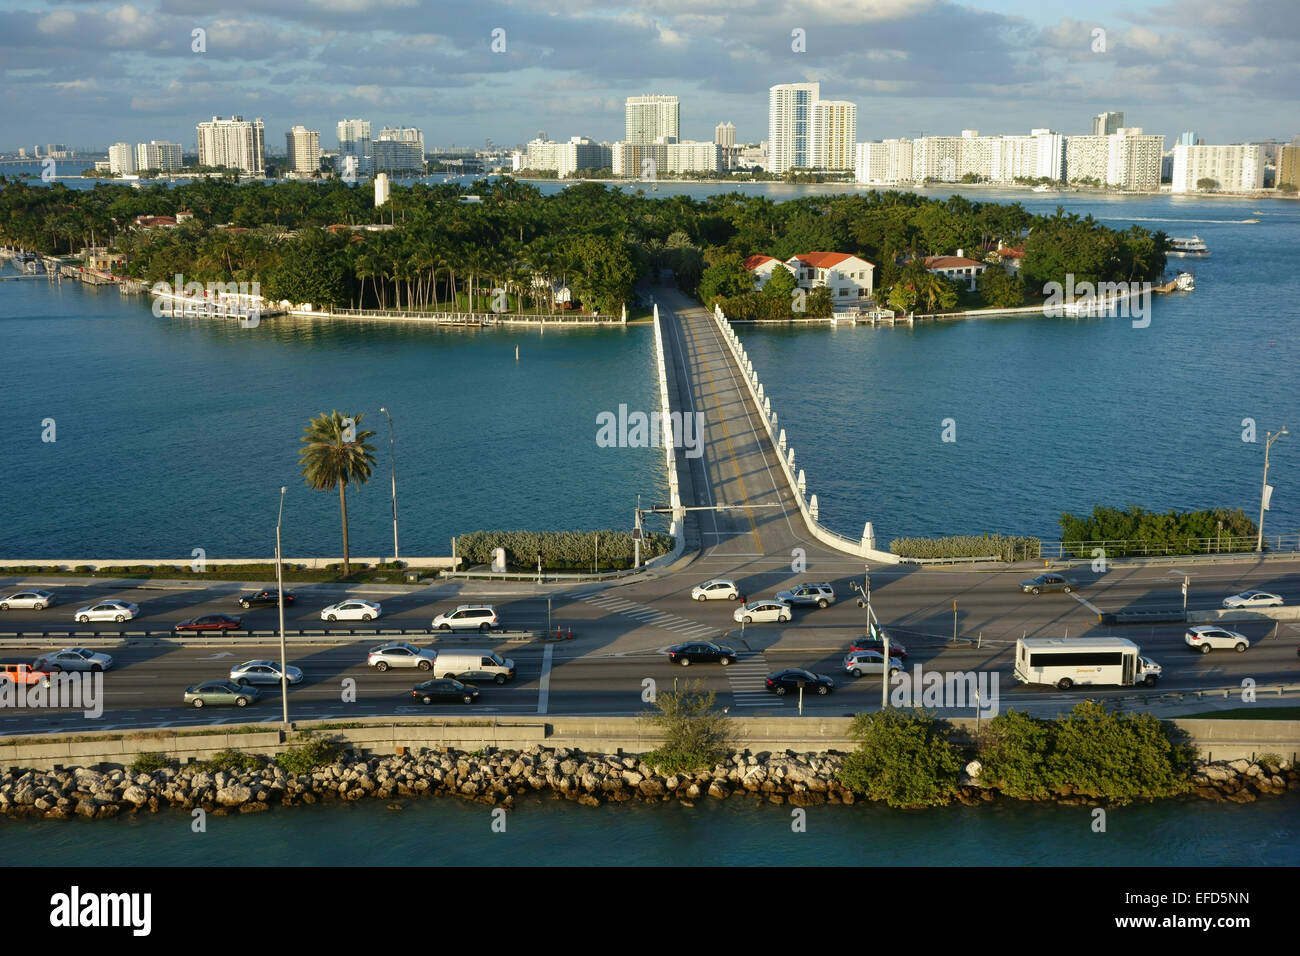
x=352 y=609
x=263 y=672
x=107 y=611
x=36 y=600
x=715 y=590
x=401 y=654
x=468 y=616
x=73 y=659
x=1253 y=599
x=858 y=663
x=1206 y=637
x=758 y=612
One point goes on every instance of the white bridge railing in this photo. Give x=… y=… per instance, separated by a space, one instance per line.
x=864 y=548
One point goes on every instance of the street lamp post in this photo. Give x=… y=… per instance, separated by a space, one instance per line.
x=279 y=583
x=392 y=459
x=1263 y=493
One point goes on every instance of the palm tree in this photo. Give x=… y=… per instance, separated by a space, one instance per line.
x=335 y=453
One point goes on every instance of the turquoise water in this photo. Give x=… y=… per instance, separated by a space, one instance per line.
x=175 y=434
x=736 y=832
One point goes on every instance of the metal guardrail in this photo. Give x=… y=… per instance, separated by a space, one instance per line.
x=991 y=557
x=1217 y=546
x=320 y=635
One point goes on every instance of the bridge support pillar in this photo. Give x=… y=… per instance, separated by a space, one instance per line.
x=803 y=484
x=790 y=460
x=812 y=504
x=780 y=441
x=869 y=537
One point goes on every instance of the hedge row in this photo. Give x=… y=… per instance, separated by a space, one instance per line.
x=561 y=549
x=1005 y=547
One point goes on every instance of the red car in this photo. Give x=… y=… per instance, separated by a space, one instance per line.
x=876 y=644
x=212 y=622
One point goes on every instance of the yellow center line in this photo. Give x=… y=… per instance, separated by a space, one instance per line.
x=749 y=513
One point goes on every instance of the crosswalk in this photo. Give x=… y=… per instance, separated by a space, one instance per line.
x=645 y=614
x=747 y=678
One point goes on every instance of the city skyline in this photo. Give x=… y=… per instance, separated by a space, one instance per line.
x=80 y=73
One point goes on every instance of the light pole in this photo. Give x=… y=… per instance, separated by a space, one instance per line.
x=279 y=583
x=1263 y=494
x=392 y=459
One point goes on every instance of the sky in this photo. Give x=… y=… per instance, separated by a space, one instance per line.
x=93 y=73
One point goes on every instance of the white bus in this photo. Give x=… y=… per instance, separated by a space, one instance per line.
x=1083 y=660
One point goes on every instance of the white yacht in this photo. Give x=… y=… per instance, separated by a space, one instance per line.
x=1184 y=248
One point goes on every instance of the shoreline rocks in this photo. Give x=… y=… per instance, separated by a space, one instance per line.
x=497 y=777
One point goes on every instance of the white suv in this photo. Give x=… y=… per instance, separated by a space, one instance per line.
x=1205 y=637
x=468 y=617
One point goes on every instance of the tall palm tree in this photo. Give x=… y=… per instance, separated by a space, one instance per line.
x=334 y=455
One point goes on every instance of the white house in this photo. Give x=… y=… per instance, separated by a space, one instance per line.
x=958 y=268
x=761 y=268
x=849 y=278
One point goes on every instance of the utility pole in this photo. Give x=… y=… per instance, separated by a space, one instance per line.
x=392 y=459
x=279 y=583
x=1263 y=494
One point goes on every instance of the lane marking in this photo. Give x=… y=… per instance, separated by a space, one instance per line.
x=1085 y=602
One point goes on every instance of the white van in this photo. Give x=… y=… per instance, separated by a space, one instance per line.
x=474 y=665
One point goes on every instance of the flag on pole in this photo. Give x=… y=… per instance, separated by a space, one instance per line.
x=1268 y=495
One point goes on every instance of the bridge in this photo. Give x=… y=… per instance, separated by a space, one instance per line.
x=744 y=495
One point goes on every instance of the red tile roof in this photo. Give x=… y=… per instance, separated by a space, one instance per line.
x=1012 y=252
x=753 y=262
x=823 y=260
x=949 y=262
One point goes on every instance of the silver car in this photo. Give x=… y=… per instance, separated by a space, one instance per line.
x=401 y=654
x=73 y=659
x=35 y=600
x=263 y=672
x=107 y=611
x=808 y=594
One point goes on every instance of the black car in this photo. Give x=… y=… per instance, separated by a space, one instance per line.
x=445 y=689
x=701 y=652
x=783 y=682
x=876 y=644
x=260 y=598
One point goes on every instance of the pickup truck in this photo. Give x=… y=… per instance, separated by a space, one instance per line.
x=22 y=673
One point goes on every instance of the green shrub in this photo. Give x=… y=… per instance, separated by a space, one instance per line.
x=310 y=752
x=1269 y=759
x=903 y=758
x=1174 y=532
x=561 y=549
x=1003 y=547
x=1012 y=750
x=696 y=734
x=149 y=762
x=231 y=761
x=1117 y=757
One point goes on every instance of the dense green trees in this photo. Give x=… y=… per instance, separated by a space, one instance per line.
x=1173 y=532
x=428 y=247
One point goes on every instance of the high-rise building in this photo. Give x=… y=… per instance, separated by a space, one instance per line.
x=121 y=159
x=789 y=123
x=397 y=156
x=382 y=189
x=164 y=157
x=1189 y=138
x=1288 y=166
x=651 y=118
x=233 y=143
x=1133 y=159
x=403 y=134
x=568 y=158
x=834 y=134
x=724 y=134
x=302 y=146
x=1104 y=124
x=356 y=155
x=1236 y=168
